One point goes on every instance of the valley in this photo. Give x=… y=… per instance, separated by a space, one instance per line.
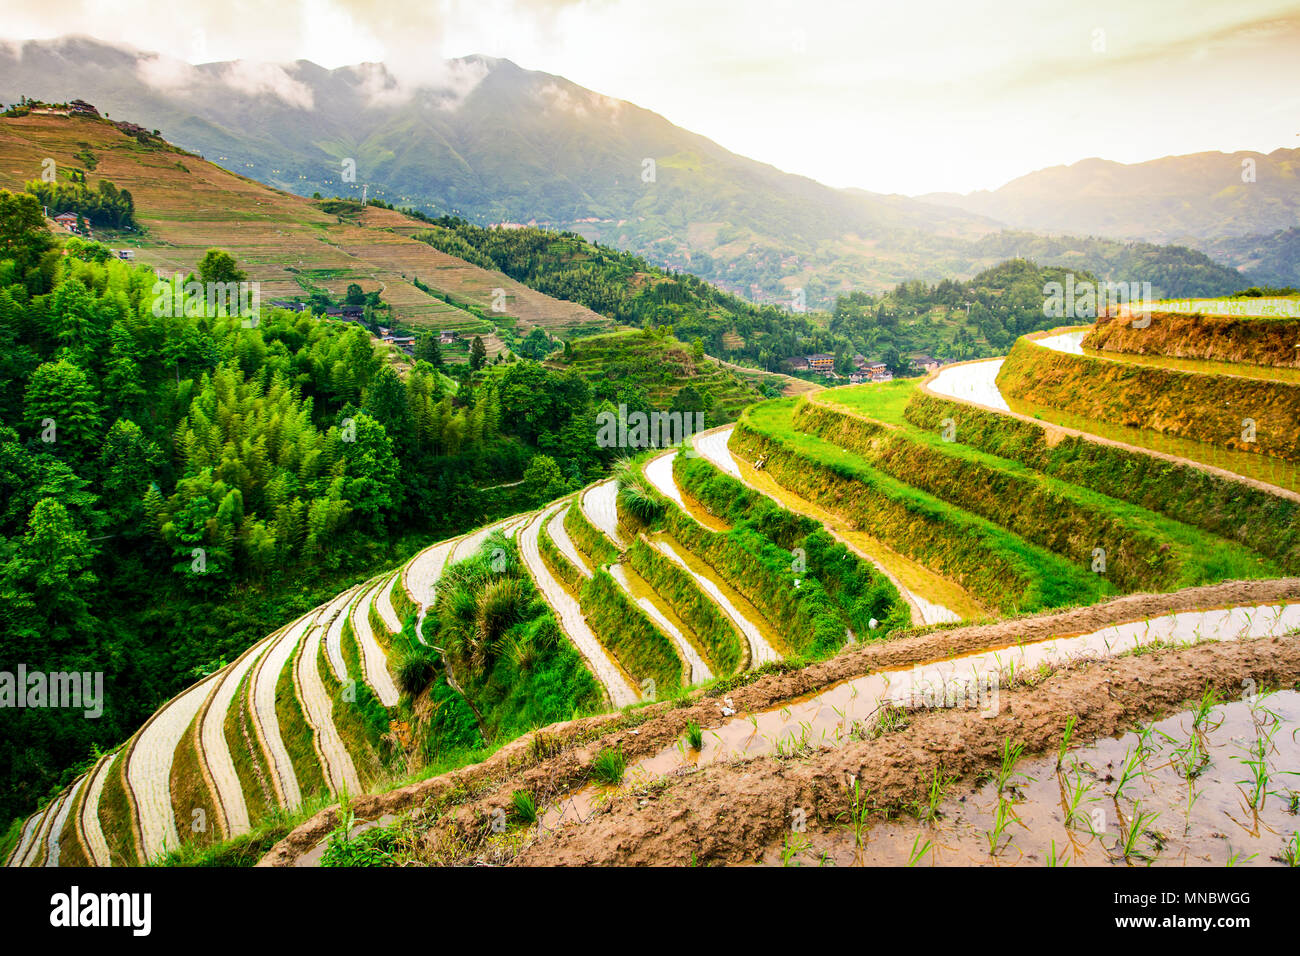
x=429 y=461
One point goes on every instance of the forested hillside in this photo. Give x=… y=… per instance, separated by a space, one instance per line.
x=177 y=486
x=952 y=319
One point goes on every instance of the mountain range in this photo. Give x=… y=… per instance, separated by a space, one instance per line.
x=496 y=143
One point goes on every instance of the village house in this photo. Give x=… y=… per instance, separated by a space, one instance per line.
x=925 y=363
x=878 y=372
x=821 y=362
x=446 y=337
x=68 y=220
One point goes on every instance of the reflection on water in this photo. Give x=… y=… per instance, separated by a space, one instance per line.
x=1207 y=787
x=843 y=711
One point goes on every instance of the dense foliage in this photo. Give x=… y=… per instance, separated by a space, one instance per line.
x=174 y=487
x=104 y=205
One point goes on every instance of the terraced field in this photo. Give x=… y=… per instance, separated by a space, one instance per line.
x=664 y=367
x=288 y=244
x=1241 y=417
x=947 y=468
x=266 y=732
x=785 y=598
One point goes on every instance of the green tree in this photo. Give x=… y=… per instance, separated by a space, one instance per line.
x=48 y=576
x=543 y=480
x=373 y=487
x=428 y=350
x=62 y=408
x=23 y=236
x=217 y=265
x=477 y=354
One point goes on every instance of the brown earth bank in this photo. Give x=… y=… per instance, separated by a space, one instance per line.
x=731 y=813
x=1217 y=338
x=1249 y=415
x=558 y=758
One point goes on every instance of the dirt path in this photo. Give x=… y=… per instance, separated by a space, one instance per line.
x=92 y=833
x=214 y=750
x=384 y=603
x=600 y=506
x=713 y=446
x=567 y=611
x=149 y=767
x=373 y=660
x=265 y=676
x=317 y=704
x=53 y=846
x=790 y=384
x=555 y=528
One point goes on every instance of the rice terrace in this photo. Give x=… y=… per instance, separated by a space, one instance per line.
x=429 y=462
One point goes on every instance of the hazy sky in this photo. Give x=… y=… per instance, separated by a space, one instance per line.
x=911 y=97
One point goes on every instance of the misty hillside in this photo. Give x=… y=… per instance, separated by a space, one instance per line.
x=1174 y=199
x=496 y=143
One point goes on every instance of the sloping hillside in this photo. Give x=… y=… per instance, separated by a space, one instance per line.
x=775 y=567
x=287 y=243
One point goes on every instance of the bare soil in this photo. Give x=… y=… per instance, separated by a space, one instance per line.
x=558 y=758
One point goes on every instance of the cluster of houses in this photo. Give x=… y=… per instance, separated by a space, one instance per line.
x=75 y=108
x=864 y=370
x=74 y=224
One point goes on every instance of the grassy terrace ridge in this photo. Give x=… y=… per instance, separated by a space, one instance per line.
x=721 y=645
x=664 y=366
x=804 y=618
x=1144 y=550
x=358 y=715
x=198 y=817
x=115 y=816
x=1214 y=409
x=643 y=651
x=998 y=567
x=1268 y=523
x=861 y=594
x=586 y=537
x=295 y=732
x=1263 y=343
x=251 y=764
